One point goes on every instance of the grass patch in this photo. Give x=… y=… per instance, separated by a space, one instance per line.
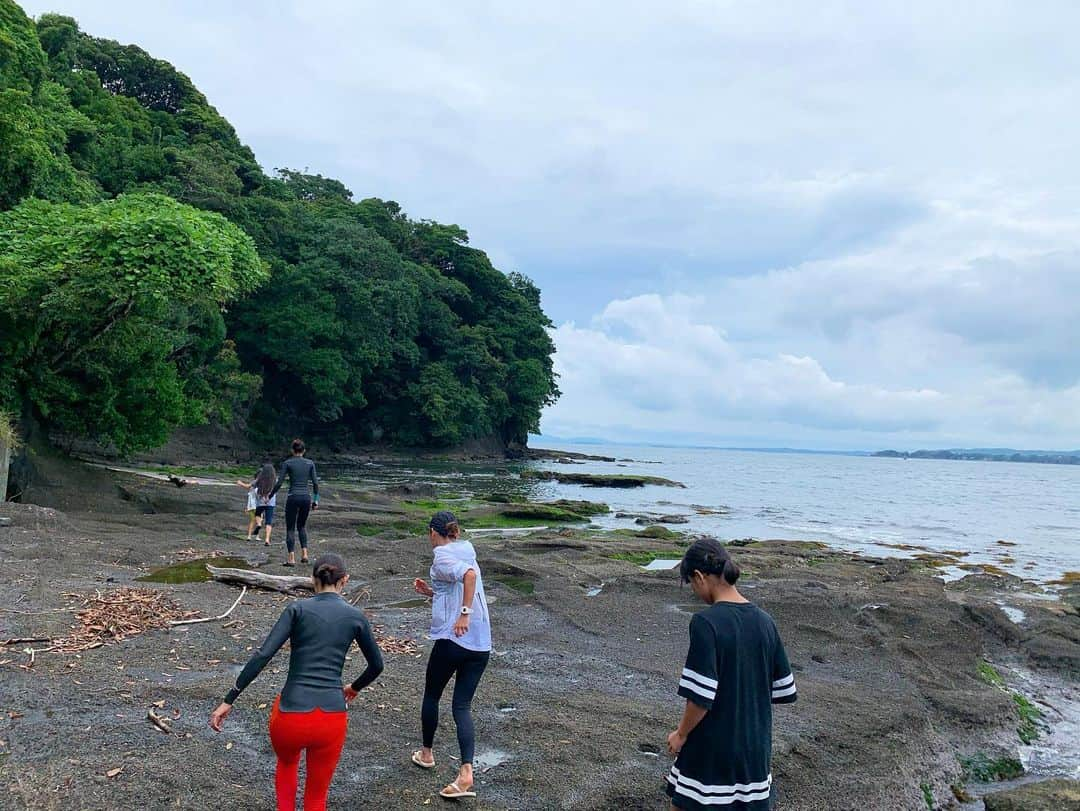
x=498 y=521
x=1030 y=715
x=369 y=530
x=192 y=571
x=927 y=795
x=985 y=769
x=435 y=504
x=522 y=585
x=989 y=674
x=1067 y=579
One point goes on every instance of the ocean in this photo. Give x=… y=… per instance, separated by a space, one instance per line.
x=859 y=503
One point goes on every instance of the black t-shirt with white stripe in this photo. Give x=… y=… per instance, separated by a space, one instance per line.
x=736 y=669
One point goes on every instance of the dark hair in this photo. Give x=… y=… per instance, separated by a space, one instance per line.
x=328 y=569
x=445 y=523
x=266 y=478
x=709 y=556
x=298 y=446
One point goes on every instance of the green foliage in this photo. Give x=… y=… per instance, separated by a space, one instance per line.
x=9 y=436
x=522 y=585
x=375 y=327
x=1030 y=717
x=927 y=795
x=985 y=769
x=989 y=674
x=110 y=322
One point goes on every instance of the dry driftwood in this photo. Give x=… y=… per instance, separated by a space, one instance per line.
x=158 y=721
x=243 y=591
x=259 y=580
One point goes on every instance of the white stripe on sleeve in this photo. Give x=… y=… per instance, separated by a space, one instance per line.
x=704 y=681
x=697 y=688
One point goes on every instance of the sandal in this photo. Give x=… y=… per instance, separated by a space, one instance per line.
x=288 y=563
x=455 y=792
x=418 y=759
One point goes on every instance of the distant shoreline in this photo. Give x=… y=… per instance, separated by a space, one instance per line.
x=950 y=454
x=1006 y=455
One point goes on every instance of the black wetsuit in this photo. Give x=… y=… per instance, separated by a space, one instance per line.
x=320 y=630
x=301 y=473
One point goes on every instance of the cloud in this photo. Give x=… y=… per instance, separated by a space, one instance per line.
x=664 y=367
x=871 y=209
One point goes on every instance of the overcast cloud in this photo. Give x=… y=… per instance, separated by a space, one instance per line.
x=824 y=224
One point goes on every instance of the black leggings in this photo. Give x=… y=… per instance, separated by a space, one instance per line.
x=296 y=514
x=448 y=658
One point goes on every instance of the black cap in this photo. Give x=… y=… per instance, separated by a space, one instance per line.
x=441 y=521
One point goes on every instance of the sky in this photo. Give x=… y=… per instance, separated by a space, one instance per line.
x=820 y=224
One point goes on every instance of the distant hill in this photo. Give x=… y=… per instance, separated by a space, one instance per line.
x=990 y=455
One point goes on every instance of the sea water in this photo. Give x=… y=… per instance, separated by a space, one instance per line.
x=860 y=503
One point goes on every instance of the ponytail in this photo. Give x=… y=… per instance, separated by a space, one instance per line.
x=709 y=556
x=328 y=569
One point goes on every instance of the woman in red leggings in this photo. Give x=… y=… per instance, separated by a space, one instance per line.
x=310 y=714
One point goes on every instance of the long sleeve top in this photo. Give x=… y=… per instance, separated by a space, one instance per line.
x=320 y=630
x=301 y=473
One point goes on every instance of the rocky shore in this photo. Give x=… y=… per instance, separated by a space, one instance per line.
x=913 y=692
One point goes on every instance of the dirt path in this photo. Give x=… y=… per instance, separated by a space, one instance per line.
x=573 y=710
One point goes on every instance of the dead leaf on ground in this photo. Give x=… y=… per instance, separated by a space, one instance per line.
x=114 y=772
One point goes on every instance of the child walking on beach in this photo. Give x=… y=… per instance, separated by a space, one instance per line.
x=736 y=669
x=249 y=507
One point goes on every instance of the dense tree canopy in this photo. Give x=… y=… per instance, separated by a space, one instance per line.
x=110 y=315
x=371 y=326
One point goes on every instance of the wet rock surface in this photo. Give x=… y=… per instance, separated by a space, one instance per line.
x=1048 y=795
x=581 y=684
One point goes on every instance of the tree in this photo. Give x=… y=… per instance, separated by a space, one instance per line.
x=375 y=326
x=110 y=321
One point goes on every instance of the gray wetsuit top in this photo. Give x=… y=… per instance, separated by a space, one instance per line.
x=320 y=630
x=300 y=471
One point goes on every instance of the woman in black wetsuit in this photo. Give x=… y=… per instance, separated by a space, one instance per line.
x=310 y=714
x=299 y=504
x=735 y=671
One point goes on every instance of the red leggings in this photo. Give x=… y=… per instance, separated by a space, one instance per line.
x=322 y=734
